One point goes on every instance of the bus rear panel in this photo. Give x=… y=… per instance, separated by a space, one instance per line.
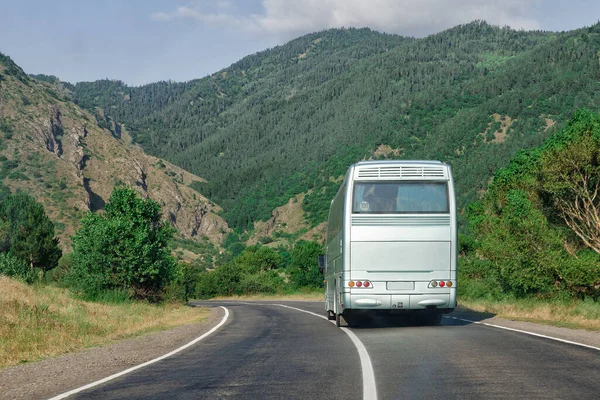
x=391 y=241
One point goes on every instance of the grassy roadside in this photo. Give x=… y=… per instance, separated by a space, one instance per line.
x=565 y=314
x=44 y=321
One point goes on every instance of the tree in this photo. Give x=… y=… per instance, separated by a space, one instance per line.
x=27 y=233
x=124 y=248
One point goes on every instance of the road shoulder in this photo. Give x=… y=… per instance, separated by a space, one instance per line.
x=590 y=338
x=57 y=375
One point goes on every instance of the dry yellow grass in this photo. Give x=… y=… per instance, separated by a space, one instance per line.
x=578 y=315
x=43 y=321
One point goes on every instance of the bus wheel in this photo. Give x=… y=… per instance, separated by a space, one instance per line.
x=338 y=318
x=330 y=315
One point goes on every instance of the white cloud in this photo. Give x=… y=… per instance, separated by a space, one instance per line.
x=288 y=18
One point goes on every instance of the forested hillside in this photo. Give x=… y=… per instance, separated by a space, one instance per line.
x=287 y=120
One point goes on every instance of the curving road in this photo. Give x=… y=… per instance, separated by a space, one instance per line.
x=265 y=351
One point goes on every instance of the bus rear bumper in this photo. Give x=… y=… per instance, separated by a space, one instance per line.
x=437 y=301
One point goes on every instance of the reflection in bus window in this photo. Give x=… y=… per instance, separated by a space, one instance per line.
x=400 y=197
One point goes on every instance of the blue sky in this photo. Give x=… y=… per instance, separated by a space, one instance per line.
x=142 y=41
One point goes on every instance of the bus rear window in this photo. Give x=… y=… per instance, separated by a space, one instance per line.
x=400 y=197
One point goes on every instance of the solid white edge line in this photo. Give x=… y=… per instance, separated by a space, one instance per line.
x=109 y=378
x=528 y=333
x=369 y=387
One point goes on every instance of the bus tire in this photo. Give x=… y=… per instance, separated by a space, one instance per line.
x=330 y=315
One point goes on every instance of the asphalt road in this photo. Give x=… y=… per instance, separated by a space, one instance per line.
x=266 y=351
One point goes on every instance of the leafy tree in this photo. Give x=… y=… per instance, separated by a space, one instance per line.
x=27 y=233
x=123 y=248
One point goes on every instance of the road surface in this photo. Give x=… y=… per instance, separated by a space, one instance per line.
x=266 y=351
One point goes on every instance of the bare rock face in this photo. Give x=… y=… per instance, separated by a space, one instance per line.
x=75 y=154
x=141 y=179
x=78 y=156
x=50 y=132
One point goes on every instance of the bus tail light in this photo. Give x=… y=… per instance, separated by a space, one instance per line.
x=359 y=284
x=440 y=284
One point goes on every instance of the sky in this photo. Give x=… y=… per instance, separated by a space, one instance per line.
x=143 y=41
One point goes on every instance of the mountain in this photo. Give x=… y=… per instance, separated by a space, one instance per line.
x=55 y=151
x=289 y=120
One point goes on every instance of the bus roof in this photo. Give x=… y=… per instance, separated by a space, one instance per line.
x=396 y=162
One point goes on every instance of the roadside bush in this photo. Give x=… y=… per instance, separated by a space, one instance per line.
x=304 y=265
x=222 y=281
x=266 y=282
x=478 y=279
x=58 y=274
x=16 y=268
x=257 y=259
x=183 y=286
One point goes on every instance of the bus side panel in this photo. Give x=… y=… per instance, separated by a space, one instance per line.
x=335 y=251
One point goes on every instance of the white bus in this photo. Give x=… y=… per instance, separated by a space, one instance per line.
x=391 y=245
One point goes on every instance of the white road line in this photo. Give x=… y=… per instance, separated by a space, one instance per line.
x=369 y=388
x=101 y=381
x=528 y=333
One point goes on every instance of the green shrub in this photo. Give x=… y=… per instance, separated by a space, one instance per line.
x=10 y=164
x=258 y=259
x=478 y=279
x=222 y=281
x=304 y=265
x=266 y=282
x=16 y=268
x=58 y=274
